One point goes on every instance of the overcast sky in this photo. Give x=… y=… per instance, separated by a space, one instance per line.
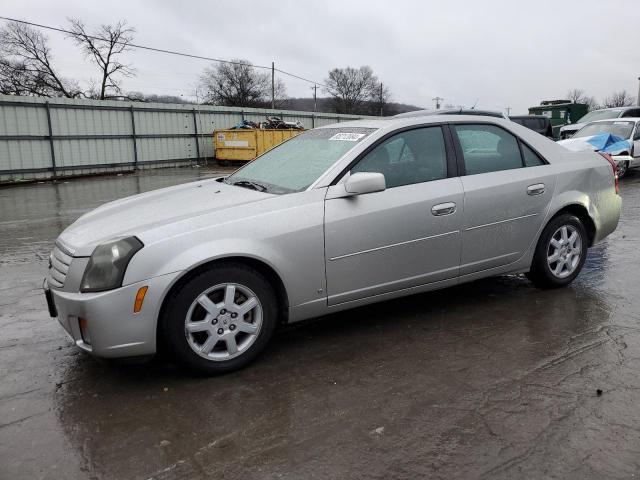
x=498 y=53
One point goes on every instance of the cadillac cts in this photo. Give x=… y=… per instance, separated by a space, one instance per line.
x=339 y=216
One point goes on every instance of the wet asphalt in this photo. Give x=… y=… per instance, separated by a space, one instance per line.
x=493 y=379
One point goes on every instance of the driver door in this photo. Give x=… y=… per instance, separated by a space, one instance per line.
x=405 y=236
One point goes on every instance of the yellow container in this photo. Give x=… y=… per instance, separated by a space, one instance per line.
x=247 y=144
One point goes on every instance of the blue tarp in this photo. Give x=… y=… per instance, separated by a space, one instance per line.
x=607 y=143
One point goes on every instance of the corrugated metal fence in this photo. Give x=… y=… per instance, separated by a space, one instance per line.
x=54 y=137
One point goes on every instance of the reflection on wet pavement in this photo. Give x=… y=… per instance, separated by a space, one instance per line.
x=493 y=379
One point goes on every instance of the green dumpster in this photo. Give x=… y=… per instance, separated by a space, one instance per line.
x=560 y=112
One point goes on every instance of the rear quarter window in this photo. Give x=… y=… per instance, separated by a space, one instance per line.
x=531 y=158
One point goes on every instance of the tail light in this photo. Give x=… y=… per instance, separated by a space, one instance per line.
x=614 y=166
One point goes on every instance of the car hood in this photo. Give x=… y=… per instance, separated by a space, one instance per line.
x=603 y=142
x=573 y=127
x=138 y=213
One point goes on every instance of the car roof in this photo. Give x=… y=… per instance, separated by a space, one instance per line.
x=391 y=123
x=613 y=109
x=623 y=119
x=620 y=109
x=450 y=111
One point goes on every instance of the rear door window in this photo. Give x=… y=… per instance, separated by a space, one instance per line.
x=488 y=148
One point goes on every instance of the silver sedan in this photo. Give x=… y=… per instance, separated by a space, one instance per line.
x=339 y=216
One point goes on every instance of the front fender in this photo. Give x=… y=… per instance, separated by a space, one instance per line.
x=300 y=267
x=147 y=266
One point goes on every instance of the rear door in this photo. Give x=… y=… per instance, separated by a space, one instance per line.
x=507 y=191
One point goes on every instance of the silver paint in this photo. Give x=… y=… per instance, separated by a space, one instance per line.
x=330 y=250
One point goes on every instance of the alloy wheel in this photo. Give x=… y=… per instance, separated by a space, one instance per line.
x=223 y=321
x=564 y=251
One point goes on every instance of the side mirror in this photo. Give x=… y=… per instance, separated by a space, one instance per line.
x=365 y=182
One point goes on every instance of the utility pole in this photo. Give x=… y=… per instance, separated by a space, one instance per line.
x=638 y=100
x=381 y=99
x=273 y=86
x=508 y=109
x=206 y=162
x=437 y=100
x=315 y=100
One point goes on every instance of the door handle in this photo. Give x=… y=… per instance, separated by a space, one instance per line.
x=443 y=209
x=536 y=189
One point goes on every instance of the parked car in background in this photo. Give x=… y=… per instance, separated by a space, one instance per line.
x=452 y=111
x=537 y=123
x=619 y=138
x=340 y=216
x=602 y=114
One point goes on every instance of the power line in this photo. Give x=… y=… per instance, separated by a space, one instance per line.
x=158 y=50
x=301 y=78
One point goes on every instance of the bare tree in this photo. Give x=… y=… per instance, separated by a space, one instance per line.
x=577 y=95
x=591 y=102
x=618 y=99
x=238 y=84
x=17 y=79
x=103 y=47
x=351 y=87
x=26 y=64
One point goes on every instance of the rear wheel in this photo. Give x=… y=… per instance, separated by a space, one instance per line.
x=560 y=253
x=220 y=320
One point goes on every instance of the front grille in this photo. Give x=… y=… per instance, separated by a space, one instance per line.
x=59 y=262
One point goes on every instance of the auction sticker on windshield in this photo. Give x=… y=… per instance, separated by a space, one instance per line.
x=348 y=137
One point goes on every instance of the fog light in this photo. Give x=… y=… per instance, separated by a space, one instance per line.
x=84 y=330
x=137 y=306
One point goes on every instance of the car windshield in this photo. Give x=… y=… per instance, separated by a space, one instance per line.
x=618 y=128
x=295 y=164
x=600 y=115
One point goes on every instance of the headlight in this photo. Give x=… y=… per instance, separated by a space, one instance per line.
x=108 y=263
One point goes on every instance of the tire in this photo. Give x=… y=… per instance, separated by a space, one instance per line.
x=200 y=325
x=622 y=167
x=545 y=273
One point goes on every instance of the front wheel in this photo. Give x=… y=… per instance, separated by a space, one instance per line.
x=560 y=253
x=220 y=319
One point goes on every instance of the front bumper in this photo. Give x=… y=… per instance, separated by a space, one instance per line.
x=114 y=330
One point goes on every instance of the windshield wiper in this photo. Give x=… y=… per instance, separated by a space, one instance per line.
x=252 y=185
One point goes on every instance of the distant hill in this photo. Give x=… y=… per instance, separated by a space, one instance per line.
x=325 y=105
